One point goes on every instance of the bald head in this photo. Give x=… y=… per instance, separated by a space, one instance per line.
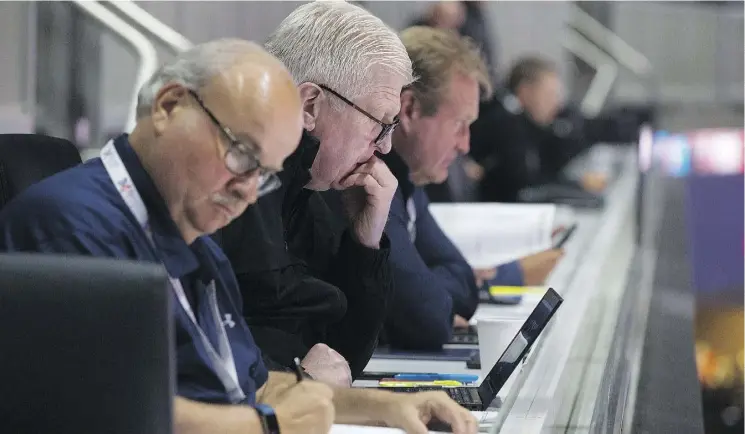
x=212 y=126
x=258 y=92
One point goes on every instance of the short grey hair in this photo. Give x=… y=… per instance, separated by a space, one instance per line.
x=336 y=43
x=194 y=68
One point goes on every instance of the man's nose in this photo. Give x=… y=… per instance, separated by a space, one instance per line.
x=384 y=146
x=464 y=143
x=246 y=188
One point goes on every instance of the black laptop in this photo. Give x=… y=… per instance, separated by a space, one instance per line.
x=85 y=346
x=479 y=398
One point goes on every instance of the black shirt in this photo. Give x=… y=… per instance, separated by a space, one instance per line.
x=303 y=276
x=515 y=151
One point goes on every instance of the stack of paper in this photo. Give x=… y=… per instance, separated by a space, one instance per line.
x=490 y=234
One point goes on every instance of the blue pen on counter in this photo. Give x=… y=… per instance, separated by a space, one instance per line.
x=463 y=378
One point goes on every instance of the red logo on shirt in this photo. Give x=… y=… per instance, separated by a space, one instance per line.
x=124 y=186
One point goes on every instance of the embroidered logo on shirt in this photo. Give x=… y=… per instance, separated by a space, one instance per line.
x=124 y=186
x=228 y=322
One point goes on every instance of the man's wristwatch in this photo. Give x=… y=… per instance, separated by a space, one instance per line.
x=268 y=419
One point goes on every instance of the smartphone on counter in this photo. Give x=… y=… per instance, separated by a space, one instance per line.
x=565 y=236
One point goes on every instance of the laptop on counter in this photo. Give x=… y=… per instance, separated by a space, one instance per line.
x=480 y=397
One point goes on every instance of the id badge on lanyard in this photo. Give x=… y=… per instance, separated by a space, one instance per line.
x=222 y=357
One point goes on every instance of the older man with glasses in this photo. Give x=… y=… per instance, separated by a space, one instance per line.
x=312 y=259
x=214 y=127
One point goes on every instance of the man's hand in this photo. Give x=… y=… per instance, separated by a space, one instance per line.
x=327 y=366
x=537 y=267
x=367 y=196
x=594 y=182
x=474 y=171
x=482 y=275
x=459 y=322
x=412 y=411
x=303 y=408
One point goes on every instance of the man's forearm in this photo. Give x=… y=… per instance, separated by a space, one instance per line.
x=361 y=406
x=364 y=277
x=353 y=406
x=191 y=417
x=276 y=383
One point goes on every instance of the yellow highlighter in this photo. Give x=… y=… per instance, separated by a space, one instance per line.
x=515 y=291
x=441 y=383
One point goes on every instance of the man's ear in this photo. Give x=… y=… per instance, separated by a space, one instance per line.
x=410 y=109
x=523 y=93
x=166 y=101
x=311 y=97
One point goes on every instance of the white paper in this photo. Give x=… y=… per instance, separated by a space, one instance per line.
x=486 y=420
x=491 y=234
x=354 y=429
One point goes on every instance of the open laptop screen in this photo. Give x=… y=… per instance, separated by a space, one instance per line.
x=519 y=345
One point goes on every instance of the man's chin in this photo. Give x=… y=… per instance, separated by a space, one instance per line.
x=439 y=179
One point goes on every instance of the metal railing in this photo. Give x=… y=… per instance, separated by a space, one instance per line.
x=605 y=67
x=605 y=51
x=143 y=48
x=163 y=33
x=623 y=53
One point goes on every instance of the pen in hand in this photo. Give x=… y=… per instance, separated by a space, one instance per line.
x=298 y=370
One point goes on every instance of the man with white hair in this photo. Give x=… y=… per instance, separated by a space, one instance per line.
x=213 y=129
x=313 y=267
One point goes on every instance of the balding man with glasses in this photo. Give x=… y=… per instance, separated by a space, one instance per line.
x=312 y=259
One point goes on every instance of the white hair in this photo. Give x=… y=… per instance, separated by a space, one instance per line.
x=336 y=44
x=194 y=68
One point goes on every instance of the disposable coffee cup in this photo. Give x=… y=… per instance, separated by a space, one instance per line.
x=494 y=336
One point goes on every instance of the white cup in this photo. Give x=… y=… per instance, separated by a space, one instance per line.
x=494 y=336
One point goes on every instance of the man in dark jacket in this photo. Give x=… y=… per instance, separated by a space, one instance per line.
x=515 y=139
x=469 y=19
x=435 y=287
x=312 y=264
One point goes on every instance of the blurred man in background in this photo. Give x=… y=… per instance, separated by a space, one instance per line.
x=314 y=268
x=513 y=139
x=436 y=289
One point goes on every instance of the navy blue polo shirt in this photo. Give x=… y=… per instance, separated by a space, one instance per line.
x=79 y=211
x=433 y=280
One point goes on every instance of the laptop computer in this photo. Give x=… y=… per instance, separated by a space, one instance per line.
x=467 y=336
x=480 y=397
x=85 y=346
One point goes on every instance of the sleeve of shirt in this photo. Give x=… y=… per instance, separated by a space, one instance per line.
x=430 y=278
x=41 y=231
x=364 y=276
x=444 y=260
x=510 y=274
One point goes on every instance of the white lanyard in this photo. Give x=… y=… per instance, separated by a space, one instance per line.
x=411 y=224
x=222 y=361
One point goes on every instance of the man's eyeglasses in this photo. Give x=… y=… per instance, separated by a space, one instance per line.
x=386 y=129
x=241 y=158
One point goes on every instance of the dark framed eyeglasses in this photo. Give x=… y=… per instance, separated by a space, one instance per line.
x=241 y=158
x=386 y=129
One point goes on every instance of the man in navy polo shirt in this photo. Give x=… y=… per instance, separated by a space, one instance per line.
x=435 y=287
x=214 y=127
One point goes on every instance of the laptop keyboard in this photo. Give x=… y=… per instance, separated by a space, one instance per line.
x=461 y=395
x=465 y=336
x=464 y=339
